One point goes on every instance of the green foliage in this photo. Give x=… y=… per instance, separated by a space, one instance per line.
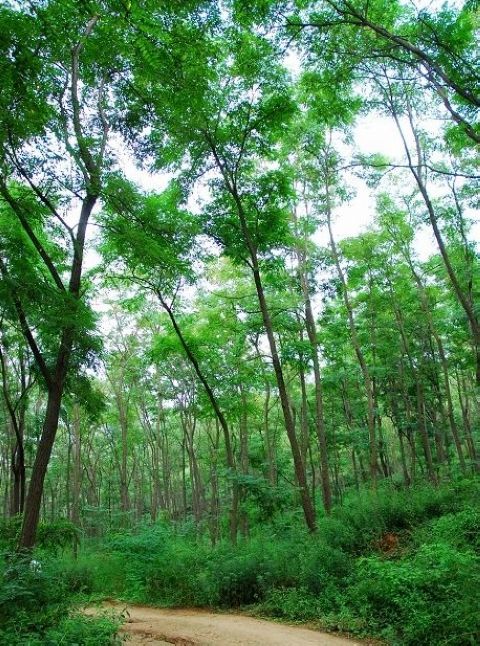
x=423 y=592
x=82 y=631
x=293 y=604
x=57 y=535
x=433 y=595
x=461 y=529
x=52 y=537
x=260 y=159
x=36 y=606
x=9 y=530
x=367 y=516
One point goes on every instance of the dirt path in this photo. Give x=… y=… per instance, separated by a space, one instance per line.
x=158 y=626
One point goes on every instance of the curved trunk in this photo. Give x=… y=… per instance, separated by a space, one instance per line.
x=218 y=413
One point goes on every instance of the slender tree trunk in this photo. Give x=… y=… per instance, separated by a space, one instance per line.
x=422 y=429
x=218 y=413
x=230 y=184
x=319 y=408
x=282 y=389
x=76 y=469
x=463 y=298
x=355 y=469
x=244 y=460
x=16 y=416
x=311 y=329
x=443 y=360
x=214 y=496
x=464 y=405
x=367 y=380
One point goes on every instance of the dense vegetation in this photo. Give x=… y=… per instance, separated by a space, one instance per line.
x=239 y=348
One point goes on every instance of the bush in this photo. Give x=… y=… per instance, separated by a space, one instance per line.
x=9 y=530
x=56 y=536
x=461 y=529
x=30 y=594
x=51 y=536
x=431 y=597
x=78 y=578
x=84 y=631
x=294 y=604
x=35 y=607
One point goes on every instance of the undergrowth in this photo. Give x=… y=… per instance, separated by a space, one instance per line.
x=399 y=565
x=37 y=606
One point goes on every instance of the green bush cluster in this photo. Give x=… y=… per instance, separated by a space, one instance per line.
x=425 y=591
x=430 y=597
x=170 y=569
x=37 y=606
x=51 y=536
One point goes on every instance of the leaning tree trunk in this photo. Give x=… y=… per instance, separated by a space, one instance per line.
x=231 y=185
x=367 y=380
x=415 y=166
x=35 y=490
x=56 y=384
x=218 y=413
x=299 y=467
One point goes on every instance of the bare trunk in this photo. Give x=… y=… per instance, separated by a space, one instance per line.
x=218 y=413
x=422 y=429
x=299 y=467
x=44 y=450
x=367 y=380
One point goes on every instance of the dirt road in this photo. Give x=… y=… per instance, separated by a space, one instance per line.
x=158 y=626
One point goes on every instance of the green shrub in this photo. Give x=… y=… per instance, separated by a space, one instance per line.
x=78 y=577
x=84 y=631
x=431 y=597
x=294 y=604
x=35 y=607
x=34 y=593
x=240 y=580
x=324 y=573
x=367 y=515
x=426 y=592
x=51 y=536
x=9 y=530
x=461 y=529
x=56 y=536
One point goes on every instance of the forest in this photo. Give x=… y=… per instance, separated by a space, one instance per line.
x=240 y=319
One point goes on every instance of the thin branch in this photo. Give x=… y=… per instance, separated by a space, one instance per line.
x=17 y=209
x=26 y=331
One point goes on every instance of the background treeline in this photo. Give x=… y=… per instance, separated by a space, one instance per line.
x=141 y=441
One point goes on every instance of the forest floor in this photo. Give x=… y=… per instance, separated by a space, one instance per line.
x=193 y=627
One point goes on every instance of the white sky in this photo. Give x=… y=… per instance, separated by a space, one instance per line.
x=372 y=134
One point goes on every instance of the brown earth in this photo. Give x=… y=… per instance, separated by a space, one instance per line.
x=159 y=626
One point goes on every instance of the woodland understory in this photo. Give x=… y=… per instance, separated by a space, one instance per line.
x=239 y=346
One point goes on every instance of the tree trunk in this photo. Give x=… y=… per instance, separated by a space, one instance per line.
x=319 y=412
x=299 y=467
x=422 y=429
x=282 y=389
x=367 y=380
x=218 y=413
x=416 y=170
x=44 y=450
x=244 y=461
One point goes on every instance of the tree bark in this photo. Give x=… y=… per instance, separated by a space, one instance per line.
x=218 y=413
